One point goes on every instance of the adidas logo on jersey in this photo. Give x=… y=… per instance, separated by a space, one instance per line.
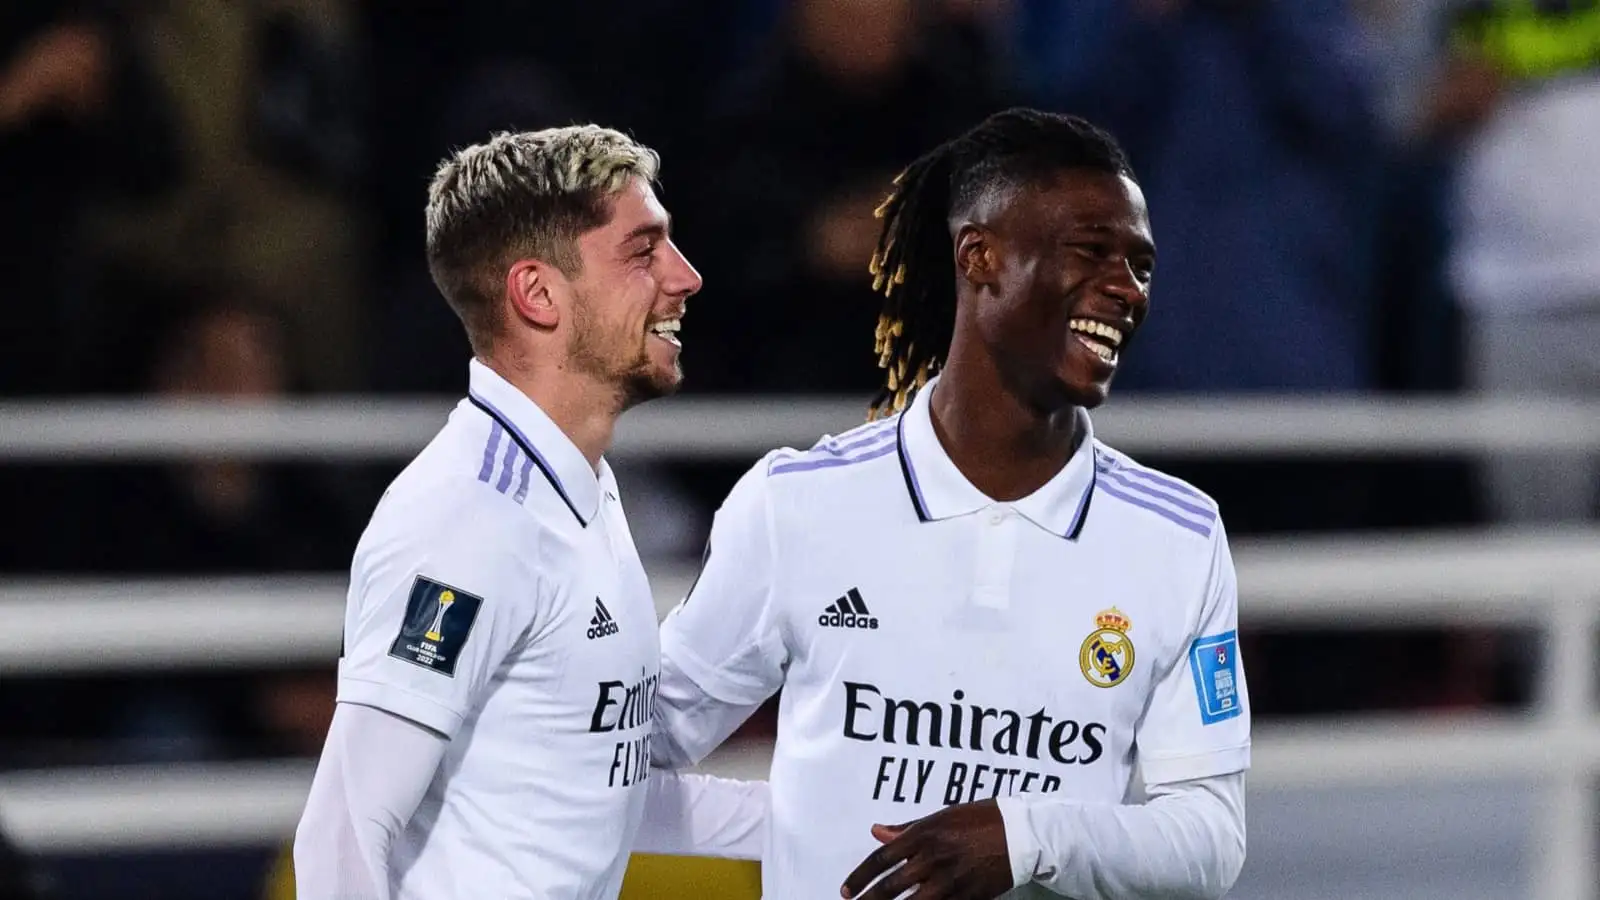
x=602 y=624
x=849 y=611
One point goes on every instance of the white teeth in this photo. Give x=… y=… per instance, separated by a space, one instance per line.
x=1098 y=329
x=1100 y=350
x=666 y=326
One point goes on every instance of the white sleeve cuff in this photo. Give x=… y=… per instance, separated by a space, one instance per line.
x=1172 y=769
x=424 y=711
x=1186 y=843
x=1021 y=843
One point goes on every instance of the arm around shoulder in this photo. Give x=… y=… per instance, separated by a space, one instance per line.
x=689 y=814
x=722 y=648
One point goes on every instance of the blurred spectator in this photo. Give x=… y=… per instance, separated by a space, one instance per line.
x=1419 y=328
x=270 y=96
x=1252 y=125
x=81 y=123
x=222 y=515
x=1518 y=96
x=82 y=128
x=791 y=165
x=446 y=73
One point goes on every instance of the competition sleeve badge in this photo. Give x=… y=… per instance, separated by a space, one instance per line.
x=1106 y=656
x=438 y=619
x=1214 y=662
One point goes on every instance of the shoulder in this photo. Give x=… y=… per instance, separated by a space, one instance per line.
x=439 y=508
x=792 y=480
x=862 y=444
x=1152 y=496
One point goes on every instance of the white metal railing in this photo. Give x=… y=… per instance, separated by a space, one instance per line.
x=1550 y=580
x=1510 y=577
x=354 y=428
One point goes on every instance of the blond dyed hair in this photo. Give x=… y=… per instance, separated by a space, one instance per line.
x=522 y=195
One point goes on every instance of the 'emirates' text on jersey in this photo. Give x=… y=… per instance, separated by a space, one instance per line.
x=496 y=597
x=935 y=647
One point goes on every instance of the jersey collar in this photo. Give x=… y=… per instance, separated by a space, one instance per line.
x=939 y=490
x=562 y=463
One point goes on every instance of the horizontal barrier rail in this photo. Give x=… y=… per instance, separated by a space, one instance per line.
x=356 y=428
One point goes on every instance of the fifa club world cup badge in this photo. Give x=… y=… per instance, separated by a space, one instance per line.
x=437 y=620
x=1106 y=657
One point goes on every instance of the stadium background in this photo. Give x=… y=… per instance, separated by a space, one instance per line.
x=219 y=342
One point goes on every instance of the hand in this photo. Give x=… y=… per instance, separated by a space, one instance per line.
x=843 y=232
x=63 y=68
x=1467 y=91
x=958 y=853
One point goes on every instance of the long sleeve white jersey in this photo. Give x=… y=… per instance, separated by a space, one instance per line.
x=496 y=602
x=936 y=647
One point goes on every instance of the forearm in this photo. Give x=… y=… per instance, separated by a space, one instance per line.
x=690 y=720
x=374 y=771
x=689 y=814
x=1186 y=843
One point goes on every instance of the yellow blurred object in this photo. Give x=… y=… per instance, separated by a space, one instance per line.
x=649 y=877
x=652 y=877
x=280 y=878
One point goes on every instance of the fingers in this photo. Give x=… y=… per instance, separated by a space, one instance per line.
x=914 y=873
x=877 y=862
x=887 y=833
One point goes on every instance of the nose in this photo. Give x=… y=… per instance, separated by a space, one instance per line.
x=679 y=277
x=1123 y=285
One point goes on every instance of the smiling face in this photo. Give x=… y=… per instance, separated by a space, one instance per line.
x=629 y=297
x=1058 y=277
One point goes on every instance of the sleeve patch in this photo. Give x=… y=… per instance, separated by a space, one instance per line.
x=1213 y=661
x=438 y=619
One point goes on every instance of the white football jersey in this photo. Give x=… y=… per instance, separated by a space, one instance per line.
x=496 y=597
x=936 y=647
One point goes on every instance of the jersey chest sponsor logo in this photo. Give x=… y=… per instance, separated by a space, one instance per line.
x=871 y=716
x=623 y=707
x=437 y=620
x=849 y=611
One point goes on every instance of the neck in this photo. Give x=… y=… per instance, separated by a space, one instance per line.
x=585 y=410
x=1003 y=446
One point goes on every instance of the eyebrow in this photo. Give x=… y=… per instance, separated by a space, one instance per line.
x=650 y=229
x=1096 y=228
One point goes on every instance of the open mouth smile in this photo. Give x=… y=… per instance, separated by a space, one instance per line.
x=1102 y=339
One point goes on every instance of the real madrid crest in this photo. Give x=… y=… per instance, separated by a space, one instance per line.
x=1106 y=657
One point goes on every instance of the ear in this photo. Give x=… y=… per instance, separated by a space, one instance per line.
x=532 y=285
x=976 y=259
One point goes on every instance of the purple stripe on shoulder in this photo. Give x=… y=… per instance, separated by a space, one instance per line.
x=1204 y=530
x=495 y=431
x=804 y=464
x=1120 y=477
x=1171 y=484
x=861 y=438
x=522 y=483
x=505 y=474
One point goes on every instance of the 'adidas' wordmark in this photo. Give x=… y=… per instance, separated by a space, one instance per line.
x=849 y=611
x=602 y=624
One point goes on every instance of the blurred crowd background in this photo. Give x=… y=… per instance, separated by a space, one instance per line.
x=204 y=198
